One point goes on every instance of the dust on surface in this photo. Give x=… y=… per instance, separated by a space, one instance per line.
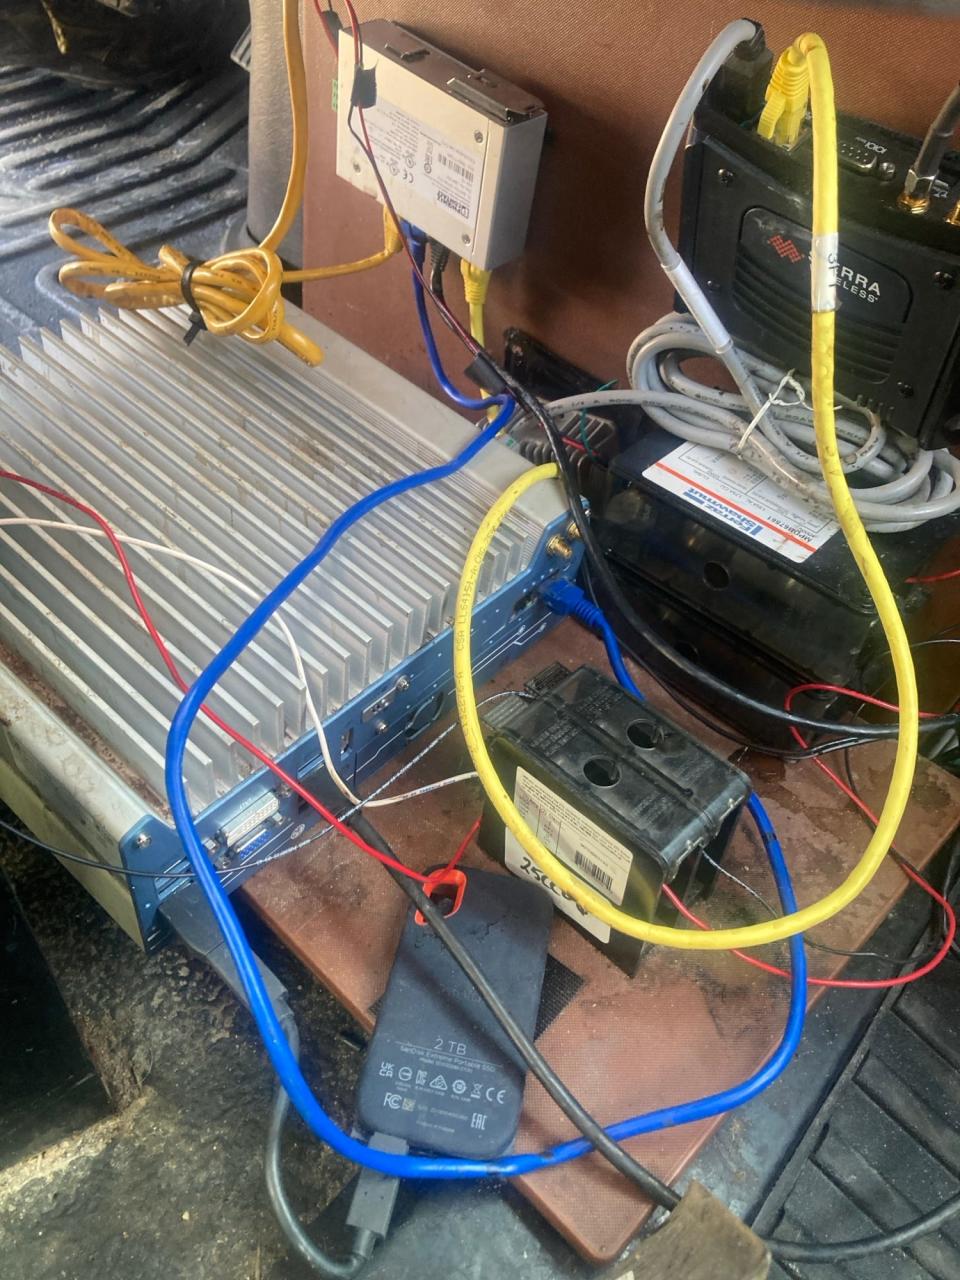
x=171 y=1186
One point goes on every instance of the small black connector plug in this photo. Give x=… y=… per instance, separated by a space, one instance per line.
x=739 y=89
x=374 y=1197
x=755 y=46
x=331 y=20
x=364 y=92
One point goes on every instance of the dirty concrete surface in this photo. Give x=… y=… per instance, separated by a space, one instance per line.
x=170 y=1184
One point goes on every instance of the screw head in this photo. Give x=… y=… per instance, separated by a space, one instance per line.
x=886 y=170
x=403 y=684
x=713 y=286
x=944 y=279
x=465 y=238
x=477 y=135
x=905 y=389
x=381 y=727
x=725 y=176
x=356 y=166
x=142 y=841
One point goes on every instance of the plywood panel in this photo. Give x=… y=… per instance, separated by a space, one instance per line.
x=609 y=74
x=689 y=1023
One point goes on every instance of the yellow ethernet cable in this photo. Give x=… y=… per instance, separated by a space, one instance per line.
x=786 y=97
x=236 y=293
x=476 y=283
x=823 y=297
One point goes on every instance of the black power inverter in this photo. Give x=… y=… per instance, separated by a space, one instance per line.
x=745 y=233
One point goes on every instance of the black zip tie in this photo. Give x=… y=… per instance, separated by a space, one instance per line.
x=197 y=322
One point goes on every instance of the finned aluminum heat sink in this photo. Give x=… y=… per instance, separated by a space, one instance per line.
x=240 y=456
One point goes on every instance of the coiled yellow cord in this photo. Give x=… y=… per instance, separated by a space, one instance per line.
x=237 y=293
x=823 y=291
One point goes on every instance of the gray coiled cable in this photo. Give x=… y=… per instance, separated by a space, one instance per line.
x=895 y=484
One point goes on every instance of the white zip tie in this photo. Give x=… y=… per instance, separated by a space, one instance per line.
x=772 y=399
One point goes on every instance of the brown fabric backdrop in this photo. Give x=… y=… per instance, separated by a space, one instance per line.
x=608 y=75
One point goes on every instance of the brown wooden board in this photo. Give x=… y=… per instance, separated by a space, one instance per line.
x=688 y=1024
x=608 y=75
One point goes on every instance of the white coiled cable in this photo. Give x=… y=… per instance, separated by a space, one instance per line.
x=896 y=484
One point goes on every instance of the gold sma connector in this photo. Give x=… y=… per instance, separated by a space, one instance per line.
x=913 y=204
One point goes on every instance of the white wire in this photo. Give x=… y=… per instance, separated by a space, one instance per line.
x=248 y=589
x=420 y=791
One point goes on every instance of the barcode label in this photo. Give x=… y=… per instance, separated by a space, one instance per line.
x=460 y=170
x=574 y=839
x=590 y=868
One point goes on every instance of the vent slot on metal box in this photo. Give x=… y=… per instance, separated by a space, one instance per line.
x=241 y=457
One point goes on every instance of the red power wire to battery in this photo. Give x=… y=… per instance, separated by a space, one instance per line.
x=868 y=984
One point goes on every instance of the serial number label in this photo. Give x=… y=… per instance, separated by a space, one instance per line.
x=579 y=843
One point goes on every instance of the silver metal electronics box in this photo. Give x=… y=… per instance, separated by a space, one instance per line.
x=239 y=456
x=458 y=148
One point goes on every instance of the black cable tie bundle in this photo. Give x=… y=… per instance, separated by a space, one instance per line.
x=484 y=373
x=197 y=322
x=364 y=92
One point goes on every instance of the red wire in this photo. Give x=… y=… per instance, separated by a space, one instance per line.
x=327 y=30
x=171 y=666
x=849 y=693
x=875 y=984
x=464 y=845
x=937 y=577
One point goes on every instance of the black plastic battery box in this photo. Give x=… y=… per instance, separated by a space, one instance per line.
x=618 y=792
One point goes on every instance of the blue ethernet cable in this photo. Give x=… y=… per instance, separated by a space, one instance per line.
x=282 y=1058
x=567 y=599
x=417 y=244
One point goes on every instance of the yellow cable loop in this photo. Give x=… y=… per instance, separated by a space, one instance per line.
x=824 y=231
x=238 y=292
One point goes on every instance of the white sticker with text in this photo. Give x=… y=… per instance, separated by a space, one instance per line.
x=731 y=490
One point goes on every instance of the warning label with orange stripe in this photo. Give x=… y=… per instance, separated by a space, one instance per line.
x=744 y=498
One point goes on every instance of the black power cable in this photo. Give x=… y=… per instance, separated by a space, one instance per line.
x=722 y=731
x=614 y=592
x=289 y=1223
x=882 y=1242
x=592 y=1130
x=92 y=862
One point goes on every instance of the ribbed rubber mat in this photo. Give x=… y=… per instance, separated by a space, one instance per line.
x=152 y=165
x=886 y=1145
